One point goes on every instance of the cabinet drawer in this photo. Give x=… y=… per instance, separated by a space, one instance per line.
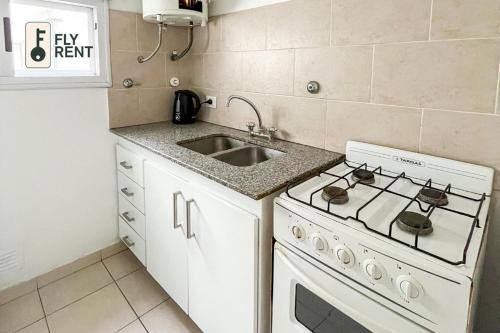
x=134 y=218
x=133 y=241
x=130 y=165
x=131 y=191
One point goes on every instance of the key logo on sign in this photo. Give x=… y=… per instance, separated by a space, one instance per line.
x=38 y=44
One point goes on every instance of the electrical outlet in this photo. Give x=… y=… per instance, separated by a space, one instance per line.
x=214 y=102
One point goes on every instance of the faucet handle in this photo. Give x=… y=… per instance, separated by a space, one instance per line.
x=273 y=130
x=250 y=126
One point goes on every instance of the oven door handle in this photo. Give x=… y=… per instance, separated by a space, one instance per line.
x=322 y=293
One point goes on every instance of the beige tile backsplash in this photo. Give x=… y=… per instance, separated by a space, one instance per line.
x=465 y=19
x=150 y=100
x=381 y=21
x=456 y=75
x=392 y=72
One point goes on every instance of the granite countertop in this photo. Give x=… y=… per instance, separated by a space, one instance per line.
x=256 y=181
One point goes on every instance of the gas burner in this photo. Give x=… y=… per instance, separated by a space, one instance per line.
x=415 y=223
x=433 y=197
x=335 y=195
x=363 y=176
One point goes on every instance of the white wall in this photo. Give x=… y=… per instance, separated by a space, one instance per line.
x=216 y=7
x=126 y=5
x=57 y=176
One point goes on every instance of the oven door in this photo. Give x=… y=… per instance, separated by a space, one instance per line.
x=312 y=299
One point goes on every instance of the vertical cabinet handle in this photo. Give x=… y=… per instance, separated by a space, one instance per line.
x=127 y=241
x=175 y=210
x=189 y=232
x=125 y=165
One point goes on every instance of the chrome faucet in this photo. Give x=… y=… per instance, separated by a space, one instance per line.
x=268 y=133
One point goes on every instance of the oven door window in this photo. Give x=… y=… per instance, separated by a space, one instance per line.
x=321 y=317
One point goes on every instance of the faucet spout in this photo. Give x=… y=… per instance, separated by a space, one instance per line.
x=249 y=102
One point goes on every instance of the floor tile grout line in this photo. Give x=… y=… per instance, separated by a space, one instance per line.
x=37 y=320
x=121 y=277
x=126 y=299
x=111 y=256
x=81 y=298
x=43 y=308
x=65 y=276
x=145 y=313
x=80 y=269
x=138 y=317
x=18 y=297
x=37 y=288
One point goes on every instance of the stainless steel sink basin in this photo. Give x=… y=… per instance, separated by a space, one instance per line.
x=231 y=151
x=247 y=156
x=213 y=144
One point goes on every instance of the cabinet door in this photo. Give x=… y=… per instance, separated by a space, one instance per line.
x=166 y=246
x=222 y=265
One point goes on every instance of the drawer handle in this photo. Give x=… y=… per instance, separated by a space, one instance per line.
x=124 y=165
x=189 y=233
x=126 y=192
x=127 y=241
x=127 y=217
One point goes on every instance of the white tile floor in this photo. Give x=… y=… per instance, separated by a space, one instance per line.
x=101 y=293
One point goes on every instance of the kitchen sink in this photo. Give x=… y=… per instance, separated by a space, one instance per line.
x=231 y=151
x=213 y=144
x=247 y=156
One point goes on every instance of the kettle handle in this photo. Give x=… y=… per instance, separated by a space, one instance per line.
x=197 y=101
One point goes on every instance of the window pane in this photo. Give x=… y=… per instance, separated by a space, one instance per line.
x=69 y=57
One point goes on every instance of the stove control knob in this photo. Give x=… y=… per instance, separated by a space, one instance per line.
x=409 y=288
x=344 y=256
x=319 y=243
x=298 y=232
x=373 y=270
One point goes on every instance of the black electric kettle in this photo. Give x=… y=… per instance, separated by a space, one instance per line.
x=186 y=107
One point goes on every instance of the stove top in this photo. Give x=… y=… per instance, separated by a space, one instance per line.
x=431 y=205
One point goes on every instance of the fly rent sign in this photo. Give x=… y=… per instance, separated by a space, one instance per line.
x=66 y=46
x=43 y=46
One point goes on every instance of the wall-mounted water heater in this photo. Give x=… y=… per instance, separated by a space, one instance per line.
x=176 y=12
x=166 y=13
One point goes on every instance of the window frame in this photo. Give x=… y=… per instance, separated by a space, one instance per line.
x=101 y=8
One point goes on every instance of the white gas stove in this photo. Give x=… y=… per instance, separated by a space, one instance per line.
x=387 y=241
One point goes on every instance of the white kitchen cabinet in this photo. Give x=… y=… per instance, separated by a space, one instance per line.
x=166 y=244
x=204 y=253
x=222 y=262
x=221 y=276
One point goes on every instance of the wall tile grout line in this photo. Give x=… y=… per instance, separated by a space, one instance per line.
x=421 y=131
x=373 y=74
x=430 y=20
x=331 y=24
x=349 y=101
x=497 y=102
x=422 y=41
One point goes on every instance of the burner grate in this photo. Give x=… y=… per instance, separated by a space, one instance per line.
x=413 y=200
